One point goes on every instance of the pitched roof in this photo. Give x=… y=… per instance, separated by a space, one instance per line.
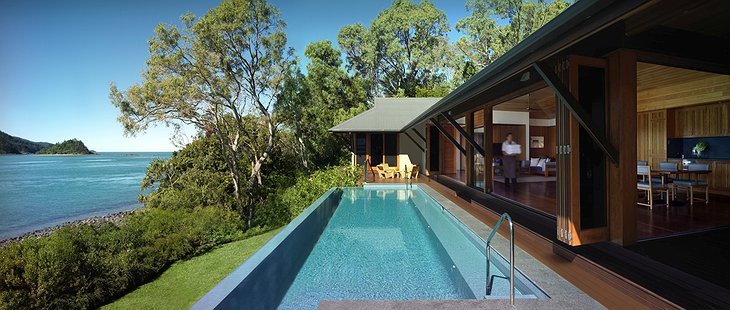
x=388 y=115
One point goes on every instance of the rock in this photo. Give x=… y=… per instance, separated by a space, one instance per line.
x=114 y=218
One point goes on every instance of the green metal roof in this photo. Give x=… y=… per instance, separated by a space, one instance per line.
x=388 y=115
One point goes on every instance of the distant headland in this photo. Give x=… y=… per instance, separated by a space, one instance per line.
x=15 y=145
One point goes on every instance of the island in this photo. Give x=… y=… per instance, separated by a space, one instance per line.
x=15 y=145
x=68 y=147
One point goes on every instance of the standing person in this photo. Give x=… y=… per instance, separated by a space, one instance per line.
x=509 y=150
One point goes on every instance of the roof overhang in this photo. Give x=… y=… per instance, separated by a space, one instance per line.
x=580 y=20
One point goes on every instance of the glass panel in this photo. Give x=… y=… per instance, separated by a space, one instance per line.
x=376 y=149
x=592 y=95
x=434 y=149
x=391 y=149
x=360 y=148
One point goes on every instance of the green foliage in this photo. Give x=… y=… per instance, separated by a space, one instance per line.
x=219 y=73
x=72 y=146
x=180 y=286
x=84 y=266
x=310 y=187
x=485 y=39
x=405 y=48
x=312 y=104
x=196 y=176
x=14 y=145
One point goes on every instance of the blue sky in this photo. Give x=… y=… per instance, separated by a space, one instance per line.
x=57 y=59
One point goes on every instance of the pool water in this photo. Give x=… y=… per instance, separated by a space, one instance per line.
x=391 y=244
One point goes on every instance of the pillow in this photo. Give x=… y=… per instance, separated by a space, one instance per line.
x=541 y=163
x=533 y=161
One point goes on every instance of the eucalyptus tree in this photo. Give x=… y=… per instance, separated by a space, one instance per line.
x=313 y=103
x=406 y=47
x=221 y=73
x=495 y=26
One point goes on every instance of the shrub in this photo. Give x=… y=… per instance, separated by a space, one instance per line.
x=308 y=188
x=85 y=266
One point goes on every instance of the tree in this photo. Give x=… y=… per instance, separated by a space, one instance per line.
x=312 y=104
x=221 y=73
x=485 y=39
x=405 y=48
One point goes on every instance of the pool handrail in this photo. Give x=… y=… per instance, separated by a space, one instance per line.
x=511 y=256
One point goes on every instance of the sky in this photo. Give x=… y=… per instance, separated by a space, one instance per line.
x=57 y=59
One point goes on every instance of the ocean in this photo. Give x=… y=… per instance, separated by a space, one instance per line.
x=40 y=191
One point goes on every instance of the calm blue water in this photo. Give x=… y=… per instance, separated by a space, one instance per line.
x=377 y=246
x=42 y=191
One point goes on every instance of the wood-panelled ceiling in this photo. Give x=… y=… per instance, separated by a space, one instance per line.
x=540 y=104
x=661 y=87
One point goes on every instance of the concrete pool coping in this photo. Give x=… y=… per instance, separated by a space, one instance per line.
x=562 y=293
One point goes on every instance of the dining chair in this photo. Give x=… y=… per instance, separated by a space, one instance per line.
x=690 y=184
x=668 y=181
x=649 y=186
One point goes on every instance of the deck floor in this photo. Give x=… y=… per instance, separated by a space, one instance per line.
x=656 y=223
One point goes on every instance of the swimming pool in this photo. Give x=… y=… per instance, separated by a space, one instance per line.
x=375 y=243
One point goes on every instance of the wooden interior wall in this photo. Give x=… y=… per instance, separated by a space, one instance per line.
x=549 y=134
x=518 y=132
x=709 y=120
x=448 y=151
x=662 y=87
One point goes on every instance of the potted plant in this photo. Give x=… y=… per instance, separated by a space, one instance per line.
x=699 y=148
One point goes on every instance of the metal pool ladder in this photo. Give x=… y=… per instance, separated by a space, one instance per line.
x=511 y=257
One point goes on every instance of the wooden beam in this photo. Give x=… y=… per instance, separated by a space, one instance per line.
x=419 y=134
x=414 y=141
x=469 y=137
x=447 y=135
x=488 y=132
x=470 y=150
x=576 y=110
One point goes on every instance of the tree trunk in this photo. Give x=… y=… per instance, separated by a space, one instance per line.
x=303 y=152
x=254 y=177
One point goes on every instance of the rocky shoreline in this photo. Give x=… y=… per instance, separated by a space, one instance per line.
x=114 y=218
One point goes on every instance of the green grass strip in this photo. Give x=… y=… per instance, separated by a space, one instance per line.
x=180 y=286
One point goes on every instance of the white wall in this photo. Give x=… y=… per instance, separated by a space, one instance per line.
x=515 y=118
x=542 y=122
x=407 y=147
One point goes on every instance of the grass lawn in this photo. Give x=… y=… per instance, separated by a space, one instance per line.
x=180 y=286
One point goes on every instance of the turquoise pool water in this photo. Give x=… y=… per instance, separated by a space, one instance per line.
x=391 y=244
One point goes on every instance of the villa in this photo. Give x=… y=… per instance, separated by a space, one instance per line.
x=605 y=91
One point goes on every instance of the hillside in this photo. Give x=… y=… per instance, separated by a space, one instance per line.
x=14 y=145
x=72 y=146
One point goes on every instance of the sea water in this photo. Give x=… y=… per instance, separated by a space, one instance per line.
x=40 y=191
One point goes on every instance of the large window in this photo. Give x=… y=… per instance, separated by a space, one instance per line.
x=391 y=149
x=360 y=148
x=376 y=149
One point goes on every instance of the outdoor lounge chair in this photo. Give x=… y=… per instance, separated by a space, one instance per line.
x=385 y=171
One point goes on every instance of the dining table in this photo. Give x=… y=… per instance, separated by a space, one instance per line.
x=666 y=173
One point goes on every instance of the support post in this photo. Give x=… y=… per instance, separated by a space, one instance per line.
x=470 y=149
x=622 y=127
x=488 y=138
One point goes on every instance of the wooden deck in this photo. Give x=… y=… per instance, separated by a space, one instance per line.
x=656 y=223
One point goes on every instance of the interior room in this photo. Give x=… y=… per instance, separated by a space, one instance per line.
x=681 y=110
